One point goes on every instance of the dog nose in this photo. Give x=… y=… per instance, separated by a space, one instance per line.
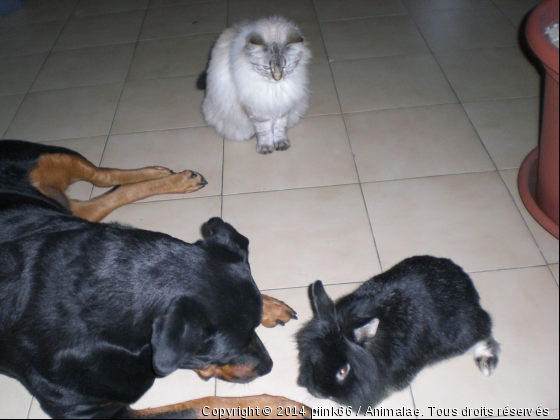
x=265 y=367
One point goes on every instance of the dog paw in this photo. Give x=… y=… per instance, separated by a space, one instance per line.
x=264 y=149
x=185 y=182
x=282 y=145
x=276 y=313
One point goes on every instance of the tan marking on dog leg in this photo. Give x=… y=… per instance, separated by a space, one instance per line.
x=100 y=207
x=60 y=170
x=106 y=178
x=276 y=313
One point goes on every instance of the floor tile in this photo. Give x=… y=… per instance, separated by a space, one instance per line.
x=107 y=29
x=301 y=236
x=531 y=329
x=17 y=73
x=422 y=6
x=320 y=156
x=92 y=149
x=451 y=30
x=280 y=343
x=324 y=99
x=163 y=3
x=66 y=113
x=99 y=7
x=468 y=218
x=296 y=10
x=481 y=75
x=182 y=219
x=372 y=37
x=548 y=244
x=312 y=33
x=39 y=11
x=8 y=108
x=29 y=39
x=159 y=104
x=197 y=149
x=391 y=82
x=415 y=142
x=556 y=271
x=350 y=9
x=517 y=10
x=188 y=19
x=172 y=57
x=14 y=399
x=85 y=67
x=509 y=128
x=178 y=387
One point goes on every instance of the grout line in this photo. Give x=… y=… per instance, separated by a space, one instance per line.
x=30 y=406
x=484 y=145
x=359 y=283
x=350 y=19
x=430 y=105
x=412 y=397
x=497 y=270
x=556 y=281
x=522 y=217
x=42 y=66
x=351 y=148
x=124 y=84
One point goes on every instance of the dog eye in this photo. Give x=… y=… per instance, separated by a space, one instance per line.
x=343 y=373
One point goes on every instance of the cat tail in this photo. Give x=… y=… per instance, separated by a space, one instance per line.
x=201 y=81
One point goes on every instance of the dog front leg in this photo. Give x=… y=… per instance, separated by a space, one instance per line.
x=233 y=408
x=276 y=313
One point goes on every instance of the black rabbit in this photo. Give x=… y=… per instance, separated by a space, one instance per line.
x=374 y=341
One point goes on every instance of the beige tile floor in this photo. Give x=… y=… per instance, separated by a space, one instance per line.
x=422 y=112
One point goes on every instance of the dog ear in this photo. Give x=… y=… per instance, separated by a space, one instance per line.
x=176 y=334
x=227 y=238
x=323 y=305
x=366 y=332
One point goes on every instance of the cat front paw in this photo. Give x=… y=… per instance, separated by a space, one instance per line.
x=264 y=149
x=282 y=145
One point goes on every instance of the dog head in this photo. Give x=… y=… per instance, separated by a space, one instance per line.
x=335 y=355
x=211 y=329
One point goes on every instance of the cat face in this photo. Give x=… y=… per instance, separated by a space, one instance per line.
x=275 y=60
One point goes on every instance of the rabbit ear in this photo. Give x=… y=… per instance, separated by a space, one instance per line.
x=366 y=332
x=323 y=306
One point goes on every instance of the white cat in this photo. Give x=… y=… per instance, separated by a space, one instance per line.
x=257 y=83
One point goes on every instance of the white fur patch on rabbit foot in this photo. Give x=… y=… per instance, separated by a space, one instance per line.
x=265 y=149
x=282 y=145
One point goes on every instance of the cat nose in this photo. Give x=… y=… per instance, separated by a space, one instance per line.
x=277 y=75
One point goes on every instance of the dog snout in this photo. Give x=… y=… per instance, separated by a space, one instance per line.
x=264 y=361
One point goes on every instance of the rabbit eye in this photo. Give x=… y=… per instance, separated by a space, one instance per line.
x=343 y=373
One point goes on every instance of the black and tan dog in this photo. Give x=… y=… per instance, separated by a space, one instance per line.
x=91 y=314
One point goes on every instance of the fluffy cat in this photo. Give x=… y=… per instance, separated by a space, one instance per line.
x=257 y=83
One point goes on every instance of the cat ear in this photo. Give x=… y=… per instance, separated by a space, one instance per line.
x=256 y=40
x=366 y=332
x=295 y=38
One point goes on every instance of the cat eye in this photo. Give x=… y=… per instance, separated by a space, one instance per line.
x=342 y=374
